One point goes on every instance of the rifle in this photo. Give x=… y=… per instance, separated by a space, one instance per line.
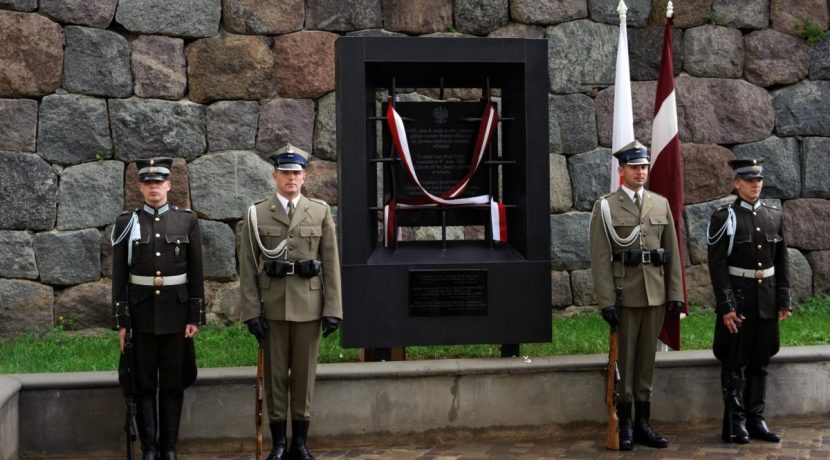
x=612 y=379
x=126 y=377
x=260 y=400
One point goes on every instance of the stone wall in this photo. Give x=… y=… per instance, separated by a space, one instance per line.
x=89 y=86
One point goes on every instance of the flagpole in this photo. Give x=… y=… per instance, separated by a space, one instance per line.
x=623 y=129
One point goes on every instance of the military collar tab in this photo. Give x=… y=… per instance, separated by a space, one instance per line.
x=750 y=206
x=153 y=211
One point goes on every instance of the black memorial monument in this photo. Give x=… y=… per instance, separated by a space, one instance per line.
x=406 y=162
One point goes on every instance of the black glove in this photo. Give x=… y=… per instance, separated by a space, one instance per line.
x=329 y=325
x=258 y=327
x=674 y=308
x=610 y=315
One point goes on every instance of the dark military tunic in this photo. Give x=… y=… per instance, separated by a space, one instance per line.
x=757 y=294
x=170 y=244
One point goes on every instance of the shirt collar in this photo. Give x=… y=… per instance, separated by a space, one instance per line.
x=284 y=202
x=156 y=211
x=750 y=206
x=631 y=193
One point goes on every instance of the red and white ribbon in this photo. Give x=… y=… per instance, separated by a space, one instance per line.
x=489 y=120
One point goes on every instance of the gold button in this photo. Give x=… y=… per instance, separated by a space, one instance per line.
x=159 y=273
x=157 y=235
x=757 y=229
x=158 y=253
x=136 y=243
x=759 y=281
x=158 y=292
x=157 y=219
x=759 y=247
x=759 y=264
x=754 y=213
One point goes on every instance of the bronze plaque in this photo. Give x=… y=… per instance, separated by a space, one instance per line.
x=447 y=292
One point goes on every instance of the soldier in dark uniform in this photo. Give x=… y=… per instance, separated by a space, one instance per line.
x=634 y=253
x=289 y=281
x=157 y=285
x=748 y=267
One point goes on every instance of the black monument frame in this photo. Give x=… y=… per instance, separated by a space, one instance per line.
x=376 y=279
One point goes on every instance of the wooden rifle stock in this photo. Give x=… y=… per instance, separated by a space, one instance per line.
x=612 y=435
x=260 y=400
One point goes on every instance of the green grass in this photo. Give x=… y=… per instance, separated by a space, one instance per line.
x=60 y=351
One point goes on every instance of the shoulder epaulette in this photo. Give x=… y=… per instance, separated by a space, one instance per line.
x=180 y=209
x=129 y=211
x=655 y=194
x=770 y=206
x=261 y=201
x=318 y=201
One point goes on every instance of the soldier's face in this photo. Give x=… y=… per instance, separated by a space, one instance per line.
x=634 y=176
x=155 y=192
x=749 y=189
x=289 y=183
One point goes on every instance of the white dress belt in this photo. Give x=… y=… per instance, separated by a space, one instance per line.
x=747 y=273
x=158 y=281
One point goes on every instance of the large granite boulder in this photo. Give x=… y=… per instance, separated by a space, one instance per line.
x=325 y=128
x=569 y=248
x=581 y=55
x=66 y=258
x=343 y=15
x=699 y=285
x=800 y=275
x=73 y=129
x=706 y=172
x=92 y=13
x=782 y=165
x=582 y=286
x=19 y=5
x=800 y=109
x=417 y=18
x=179 y=194
x=820 y=262
x=230 y=67
x=645 y=47
x=742 y=14
x=554 y=133
x=786 y=15
x=820 y=60
x=775 y=58
x=80 y=186
x=816 y=167
x=232 y=125
x=31 y=58
x=263 y=16
x=283 y=121
x=560 y=292
x=222 y=302
x=592 y=177
x=697 y=218
x=714 y=51
x=145 y=128
x=18 y=259
x=219 y=250
x=30 y=186
x=306 y=64
x=106 y=251
x=606 y=11
x=479 y=17
x=577 y=122
x=687 y=13
x=223 y=185
x=321 y=181
x=806 y=221
x=84 y=306
x=25 y=306
x=642 y=98
x=18 y=124
x=182 y=18
x=97 y=62
x=561 y=194
x=516 y=30
x=159 y=67
x=547 y=11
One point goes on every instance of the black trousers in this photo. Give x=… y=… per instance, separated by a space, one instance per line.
x=165 y=363
x=758 y=341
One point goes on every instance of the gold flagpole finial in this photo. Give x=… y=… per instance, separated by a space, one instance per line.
x=669 y=9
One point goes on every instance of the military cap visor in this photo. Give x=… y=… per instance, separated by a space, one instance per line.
x=154 y=169
x=633 y=154
x=747 y=168
x=290 y=158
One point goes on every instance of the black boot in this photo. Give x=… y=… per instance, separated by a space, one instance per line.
x=626 y=429
x=643 y=433
x=146 y=421
x=170 y=411
x=734 y=417
x=278 y=451
x=299 y=435
x=756 y=392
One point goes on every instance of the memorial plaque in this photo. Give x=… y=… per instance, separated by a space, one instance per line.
x=447 y=292
x=441 y=144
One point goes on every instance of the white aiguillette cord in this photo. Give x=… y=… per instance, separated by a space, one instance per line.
x=253 y=233
x=609 y=227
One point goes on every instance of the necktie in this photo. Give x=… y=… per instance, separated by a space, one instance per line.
x=290 y=210
x=637 y=201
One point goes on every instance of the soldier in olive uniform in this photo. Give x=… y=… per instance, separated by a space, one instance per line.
x=634 y=253
x=748 y=267
x=290 y=292
x=157 y=290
